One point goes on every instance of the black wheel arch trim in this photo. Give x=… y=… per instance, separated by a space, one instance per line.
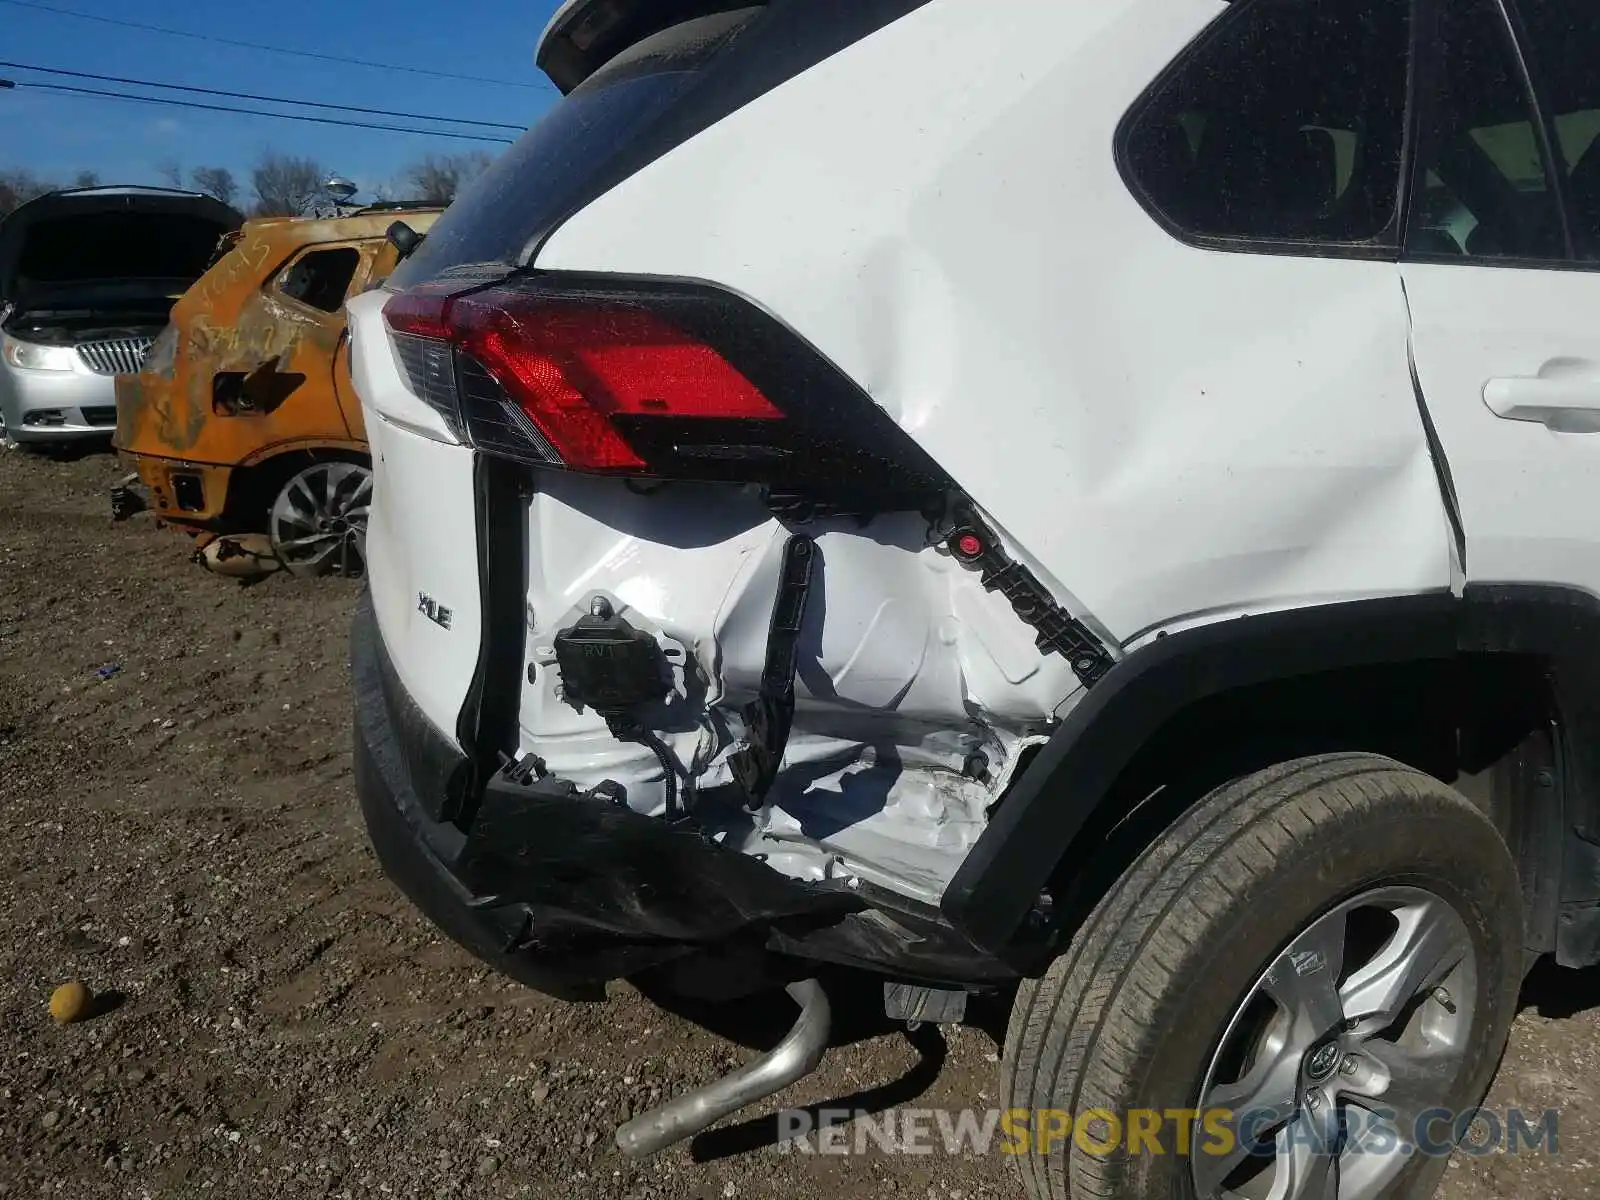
x=994 y=898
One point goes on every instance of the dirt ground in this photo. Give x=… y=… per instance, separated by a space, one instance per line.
x=181 y=834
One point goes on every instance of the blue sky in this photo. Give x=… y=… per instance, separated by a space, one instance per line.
x=57 y=135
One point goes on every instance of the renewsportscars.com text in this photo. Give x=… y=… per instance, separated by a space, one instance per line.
x=1180 y=1131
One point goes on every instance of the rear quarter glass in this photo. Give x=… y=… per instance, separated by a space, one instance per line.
x=636 y=108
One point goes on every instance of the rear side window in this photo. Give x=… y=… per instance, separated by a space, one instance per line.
x=1482 y=190
x=321 y=278
x=1563 y=44
x=1283 y=124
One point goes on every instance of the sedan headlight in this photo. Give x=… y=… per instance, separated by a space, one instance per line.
x=31 y=356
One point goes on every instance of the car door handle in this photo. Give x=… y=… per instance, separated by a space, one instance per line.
x=1566 y=400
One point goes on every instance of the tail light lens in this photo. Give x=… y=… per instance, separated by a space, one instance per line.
x=659 y=380
x=430 y=368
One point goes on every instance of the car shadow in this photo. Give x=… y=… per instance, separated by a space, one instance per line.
x=68 y=452
x=1559 y=992
x=759 y=1021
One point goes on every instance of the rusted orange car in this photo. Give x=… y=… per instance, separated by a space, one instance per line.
x=242 y=427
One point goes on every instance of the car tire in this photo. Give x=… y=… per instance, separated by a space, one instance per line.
x=317 y=522
x=1152 y=993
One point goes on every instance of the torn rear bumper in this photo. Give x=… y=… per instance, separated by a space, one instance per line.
x=563 y=890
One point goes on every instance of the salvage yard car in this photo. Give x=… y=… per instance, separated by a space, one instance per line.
x=1094 y=498
x=242 y=425
x=87 y=279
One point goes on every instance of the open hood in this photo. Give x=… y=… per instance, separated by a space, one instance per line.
x=584 y=35
x=106 y=246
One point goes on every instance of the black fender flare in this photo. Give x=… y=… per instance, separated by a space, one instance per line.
x=993 y=898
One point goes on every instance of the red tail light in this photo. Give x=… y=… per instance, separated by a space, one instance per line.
x=647 y=377
x=573 y=369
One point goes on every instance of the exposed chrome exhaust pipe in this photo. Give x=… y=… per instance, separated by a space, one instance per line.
x=793 y=1058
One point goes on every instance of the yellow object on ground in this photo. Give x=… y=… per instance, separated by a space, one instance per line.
x=70 y=1002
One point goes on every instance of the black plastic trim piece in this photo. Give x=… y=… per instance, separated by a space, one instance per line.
x=562 y=889
x=487 y=723
x=423 y=754
x=769 y=717
x=974 y=545
x=1562 y=626
x=1001 y=882
x=586 y=37
x=436 y=766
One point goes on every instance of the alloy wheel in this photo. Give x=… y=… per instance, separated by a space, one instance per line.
x=1329 y=1068
x=318 y=523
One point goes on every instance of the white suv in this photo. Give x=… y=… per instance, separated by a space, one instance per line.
x=1093 y=495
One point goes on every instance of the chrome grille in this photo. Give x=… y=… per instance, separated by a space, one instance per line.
x=115 y=356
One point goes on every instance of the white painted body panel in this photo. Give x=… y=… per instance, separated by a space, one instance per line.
x=1526 y=490
x=906 y=666
x=422 y=531
x=1167 y=435
x=1169 y=431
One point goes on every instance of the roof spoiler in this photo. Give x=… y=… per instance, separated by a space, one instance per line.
x=584 y=35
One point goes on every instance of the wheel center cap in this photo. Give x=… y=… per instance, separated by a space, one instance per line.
x=1324 y=1061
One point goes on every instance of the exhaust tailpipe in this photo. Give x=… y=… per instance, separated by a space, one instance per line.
x=793 y=1058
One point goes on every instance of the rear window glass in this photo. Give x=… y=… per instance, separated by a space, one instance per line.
x=117 y=245
x=640 y=105
x=540 y=178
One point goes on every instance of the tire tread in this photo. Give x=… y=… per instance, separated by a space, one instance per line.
x=1074 y=1036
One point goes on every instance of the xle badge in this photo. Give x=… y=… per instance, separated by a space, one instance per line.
x=433 y=610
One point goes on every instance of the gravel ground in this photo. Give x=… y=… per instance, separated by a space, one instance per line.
x=182 y=835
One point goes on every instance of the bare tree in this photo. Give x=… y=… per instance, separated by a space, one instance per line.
x=215 y=181
x=171 y=170
x=437 y=178
x=17 y=187
x=86 y=179
x=286 y=186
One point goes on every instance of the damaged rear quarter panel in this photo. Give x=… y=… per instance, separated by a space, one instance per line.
x=916 y=690
x=1168 y=431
